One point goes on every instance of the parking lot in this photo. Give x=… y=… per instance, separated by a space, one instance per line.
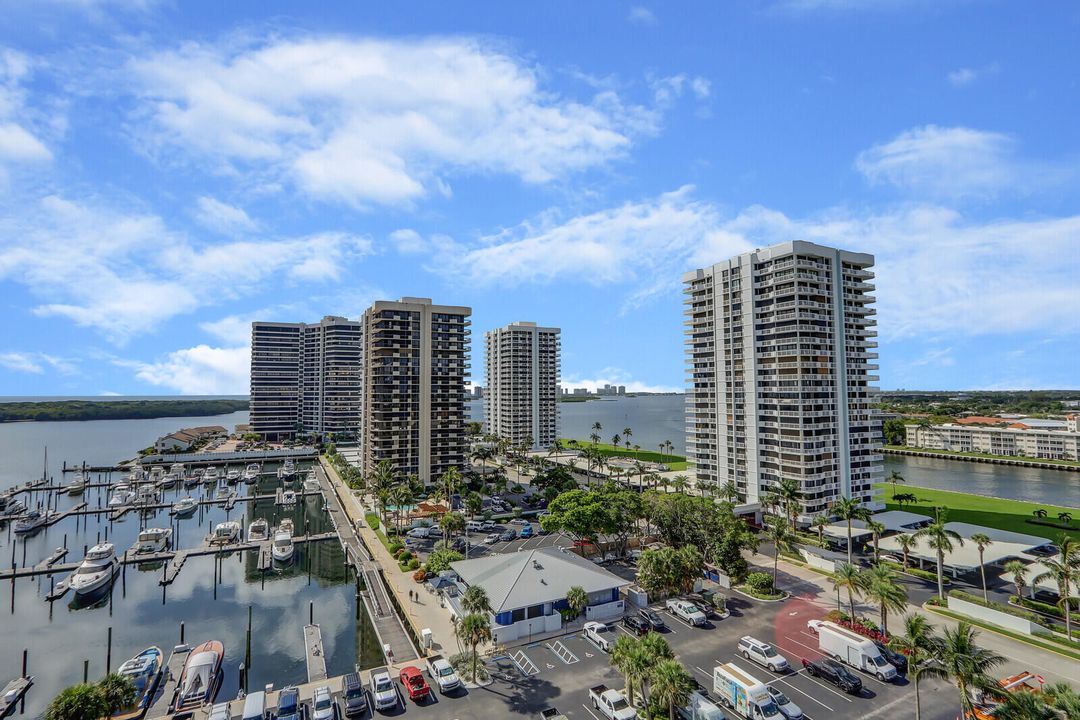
x=478 y=547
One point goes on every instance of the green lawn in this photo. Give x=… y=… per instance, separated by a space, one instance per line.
x=675 y=462
x=953 y=453
x=980 y=510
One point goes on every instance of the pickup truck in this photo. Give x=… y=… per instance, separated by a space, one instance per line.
x=686 y=611
x=414 y=683
x=611 y=703
x=551 y=714
x=442 y=673
x=600 y=635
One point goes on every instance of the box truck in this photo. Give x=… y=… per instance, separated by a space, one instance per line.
x=853 y=649
x=743 y=693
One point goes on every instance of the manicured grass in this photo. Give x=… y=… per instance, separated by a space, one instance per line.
x=1051 y=643
x=675 y=462
x=953 y=453
x=981 y=510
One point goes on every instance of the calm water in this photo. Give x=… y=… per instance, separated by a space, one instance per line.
x=142 y=613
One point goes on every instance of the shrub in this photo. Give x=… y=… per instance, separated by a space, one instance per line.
x=760 y=582
x=372 y=520
x=405 y=556
x=395 y=548
x=419 y=575
x=398 y=553
x=414 y=563
x=1045 y=608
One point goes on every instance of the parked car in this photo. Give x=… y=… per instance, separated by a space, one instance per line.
x=383 y=693
x=636 y=624
x=288 y=704
x=474 y=526
x=600 y=635
x=526 y=532
x=897 y=660
x=508 y=535
x=492 y=538
x=653 y=618
x=611 y=703
x=832 y=671
x=488 y=526
x=323 y=706
x=442 y=672
x=686 y=611
x=419 y=532
x=763 y=654
x=414 y=683
x=519 y=521
x=355 y=698
x=790 y=710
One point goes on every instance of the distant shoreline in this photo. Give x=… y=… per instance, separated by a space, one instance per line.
x=84 y=410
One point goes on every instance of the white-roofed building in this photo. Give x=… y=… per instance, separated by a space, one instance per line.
x=527 y=589
x=965 y=558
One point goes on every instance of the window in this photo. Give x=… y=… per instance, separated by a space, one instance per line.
x=536 y=611
x=517 y=615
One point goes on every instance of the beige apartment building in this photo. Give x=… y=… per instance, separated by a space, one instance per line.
x=1009 y=441
x=521 y=365
x=416 y=361
x=779 y=351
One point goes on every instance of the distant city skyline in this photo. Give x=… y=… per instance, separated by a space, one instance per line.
x=171 y=172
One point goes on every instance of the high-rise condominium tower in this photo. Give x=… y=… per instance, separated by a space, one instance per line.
x=779 y=353
x=305 y=377
x=416 y=360
x=522 y=368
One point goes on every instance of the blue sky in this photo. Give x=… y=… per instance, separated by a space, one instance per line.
x=171 y=171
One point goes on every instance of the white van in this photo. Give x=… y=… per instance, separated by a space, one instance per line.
x=255 y=706
x=474 y=526
x=419 y=532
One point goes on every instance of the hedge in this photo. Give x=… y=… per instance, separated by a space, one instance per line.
x=372 y=520
x=1045 y=608
x=916 y=572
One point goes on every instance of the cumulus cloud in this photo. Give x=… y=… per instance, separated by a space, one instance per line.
x=200 y=370
x=641 y=15
x=942 y=161
x=19 y=139
x=408 y=241
x=370 y=122
x=125 y=272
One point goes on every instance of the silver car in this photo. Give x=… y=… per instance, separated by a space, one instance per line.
x=788 y=709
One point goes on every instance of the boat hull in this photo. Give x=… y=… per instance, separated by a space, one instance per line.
x=151 y=678
x=181 y=703
x=97 y=582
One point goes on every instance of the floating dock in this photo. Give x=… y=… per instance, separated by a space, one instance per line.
x=13 y=693
x=316 y=661
x=168 y=685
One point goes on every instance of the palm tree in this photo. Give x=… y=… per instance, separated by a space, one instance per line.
x=474 y=629
x=907 y=542
x=451 y=523
x=790 y=493
x=627 y=433
x=922 y=648
x=615 y=440
x=633 y=660
x=78 y=702
x=967 y=664
x=849 y=509
x=1022 y=706
x=475 y=600
x=982 y=541
x=730 y=491
x=940 y=539
x=118 y=691
x=777 y=532
x=895 y=477
x=1065 y=573
x=820 y=522
x=847 y=577
x=1018 y=569
x=680 y=482
x=577 y=600
x=670 y=685
x=597 y=428
x=881 y=586
x=877 y=529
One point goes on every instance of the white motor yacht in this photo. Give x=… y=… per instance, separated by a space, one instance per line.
x=169 y=481
x=77 y=484
x=146 y=495
x=210 y=477
x=232 y=476
x=251 y=473
x=184 y=506
x=153 y=540
x=225 y=533
x=121 y=498
x=283 y=548
x=311 y=482
x=177 y=469
x=258 y=530
x=96 y=570
x=288 y=497
x=289 y=468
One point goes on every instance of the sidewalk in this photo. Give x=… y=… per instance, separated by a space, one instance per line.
x=422 y=613
x=1019 y=656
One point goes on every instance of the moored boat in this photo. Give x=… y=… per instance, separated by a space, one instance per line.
x=168 y=481
x=288 y=497
x=121 y=498
x=251 y=473
x=225 y=533
x=232 y=476
x=177 y=469
x=153 y=540
x=184 y=507
x=96 y=570
x=210 y=477
x=144 y=671
x=28 y=523
x=199 y=681
x=12 y=509
x=258 y=530
x=288 y=469
x=283 y=548
x=77 y=484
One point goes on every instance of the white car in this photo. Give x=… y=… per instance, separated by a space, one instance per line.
x=322 y=705
x=419 y=532
x=813 y=625
x=763 y=654
x=383 y=692
x=600 y=635
x=686 y=611
x=519 y=521
x=492 y=538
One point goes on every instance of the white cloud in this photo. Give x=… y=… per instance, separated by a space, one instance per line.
x=701 y=87
x=942 y=162
x=222 y=217
x=408 y=241
x=961 y=76
x=35 y=363
x=19 y=141
x=200 y=370
x=408 y=115
x=125 y=273
x=641 y=15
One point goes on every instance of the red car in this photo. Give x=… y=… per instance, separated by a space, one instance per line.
x=414 y=683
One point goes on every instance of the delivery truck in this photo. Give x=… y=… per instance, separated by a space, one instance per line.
x=743 y=693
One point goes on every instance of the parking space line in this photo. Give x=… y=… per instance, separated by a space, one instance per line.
x=808 y=647
x=620 y=627
x=802 y=692
x=702 y=671
x=826 y=687
x=589 y=711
